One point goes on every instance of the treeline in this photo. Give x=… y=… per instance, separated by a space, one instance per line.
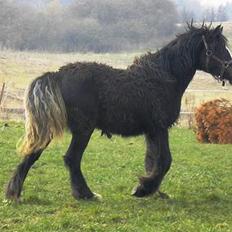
x=86 y=25
x=192 y=9
x=219 y=14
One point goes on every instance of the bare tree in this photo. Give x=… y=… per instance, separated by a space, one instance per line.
x=221 y=13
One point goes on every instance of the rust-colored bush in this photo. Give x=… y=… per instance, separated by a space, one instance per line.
x=214 y=122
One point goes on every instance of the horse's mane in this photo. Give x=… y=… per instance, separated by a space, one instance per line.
x=182 y=44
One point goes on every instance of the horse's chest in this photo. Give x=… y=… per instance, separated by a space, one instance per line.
x=166 y=112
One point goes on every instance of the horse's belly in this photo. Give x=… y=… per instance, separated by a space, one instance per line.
x=125 y=126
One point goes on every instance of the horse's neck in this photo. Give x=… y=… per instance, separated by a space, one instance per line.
x=182 y=65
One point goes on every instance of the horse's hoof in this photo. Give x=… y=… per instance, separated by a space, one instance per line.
x=163 y=195
x=139 y=191
x=87 y=196
x=97 y=197
x=12 y=198
x=78 y=196
x=12 y=194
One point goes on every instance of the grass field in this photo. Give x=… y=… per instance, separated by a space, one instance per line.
x=199 y=184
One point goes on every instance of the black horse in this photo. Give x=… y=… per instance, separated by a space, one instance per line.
x=144 y=99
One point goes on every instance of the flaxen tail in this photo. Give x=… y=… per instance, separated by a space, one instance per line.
x=45 y=113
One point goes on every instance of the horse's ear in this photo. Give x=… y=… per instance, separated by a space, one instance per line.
x=218 y=29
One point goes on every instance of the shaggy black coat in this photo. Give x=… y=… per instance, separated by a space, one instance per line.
x=120 y=101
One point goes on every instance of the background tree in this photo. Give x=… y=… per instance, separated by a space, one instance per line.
x=86 y=25
x=222 y=14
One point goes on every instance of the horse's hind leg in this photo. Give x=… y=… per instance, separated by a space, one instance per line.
x=15 y=184
x=80 y=189
x=157 y=163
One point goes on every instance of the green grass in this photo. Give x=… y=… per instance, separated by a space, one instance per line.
x=199 y=184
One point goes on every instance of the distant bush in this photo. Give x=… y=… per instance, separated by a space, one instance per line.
x=214 y=122
x=87 y=25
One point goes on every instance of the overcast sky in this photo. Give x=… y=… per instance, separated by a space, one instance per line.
x=214 y=3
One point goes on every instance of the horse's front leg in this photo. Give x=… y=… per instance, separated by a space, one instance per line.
x=157 y=163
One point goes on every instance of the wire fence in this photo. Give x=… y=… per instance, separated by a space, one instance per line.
x=11 y=103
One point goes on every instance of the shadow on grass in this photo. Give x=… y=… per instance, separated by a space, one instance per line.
x=202 y=204
x=36 y=201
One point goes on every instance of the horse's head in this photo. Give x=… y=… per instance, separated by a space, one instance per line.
x=215 y=57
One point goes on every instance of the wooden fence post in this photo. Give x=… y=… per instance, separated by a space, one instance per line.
x=2 y=92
